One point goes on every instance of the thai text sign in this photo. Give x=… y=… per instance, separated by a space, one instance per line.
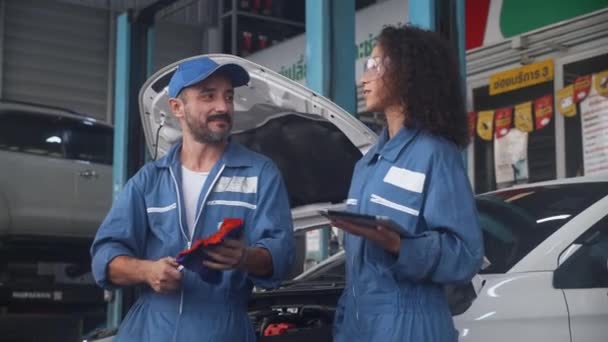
x=525 y=76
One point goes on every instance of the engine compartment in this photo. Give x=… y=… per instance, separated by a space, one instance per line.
x=305 y=323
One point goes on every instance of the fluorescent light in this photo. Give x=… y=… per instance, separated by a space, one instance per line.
x=553 y=218
x=53 y=140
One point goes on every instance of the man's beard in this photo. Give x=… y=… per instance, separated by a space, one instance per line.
x=202 y=134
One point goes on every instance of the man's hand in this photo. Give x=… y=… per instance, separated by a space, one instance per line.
x=234 y=254
x=385 y=238
x=230 y=254
x=162 y=275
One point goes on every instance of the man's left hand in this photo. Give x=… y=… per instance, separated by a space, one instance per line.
x=230 y=254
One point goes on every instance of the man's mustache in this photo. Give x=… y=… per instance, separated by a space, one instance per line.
x=223 y=117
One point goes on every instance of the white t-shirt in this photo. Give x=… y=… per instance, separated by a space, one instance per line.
x=192 y=184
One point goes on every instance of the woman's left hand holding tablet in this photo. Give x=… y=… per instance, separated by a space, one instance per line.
x=384 y=237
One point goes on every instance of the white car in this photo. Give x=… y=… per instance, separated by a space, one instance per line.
x=547 y=278
x=546 y=243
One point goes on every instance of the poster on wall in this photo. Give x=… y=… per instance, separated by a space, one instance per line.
x=594 y=119
x=511 y=157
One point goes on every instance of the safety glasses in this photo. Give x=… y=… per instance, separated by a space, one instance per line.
x=374 y=68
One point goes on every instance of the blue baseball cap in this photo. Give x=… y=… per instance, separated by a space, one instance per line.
x=193 y=71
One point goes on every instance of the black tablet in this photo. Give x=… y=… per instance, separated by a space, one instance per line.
x=370 y=221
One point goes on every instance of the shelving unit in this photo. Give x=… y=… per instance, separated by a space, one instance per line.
x=248 y=26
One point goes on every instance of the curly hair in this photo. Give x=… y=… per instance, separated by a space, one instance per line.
x=423 y=73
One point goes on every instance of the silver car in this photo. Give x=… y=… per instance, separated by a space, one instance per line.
x=55 y=188
x=56 y=173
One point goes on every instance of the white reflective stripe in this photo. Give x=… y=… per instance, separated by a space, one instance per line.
x=352 y=201
x=181 y=226
x=245 y=185
x=383 y=201
x=161 y=209
x=405 y=179
x=179 y=205
x=233 y=203
x=181 y=302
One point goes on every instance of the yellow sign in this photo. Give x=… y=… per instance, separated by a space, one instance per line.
x=523 y=117
x=600 y=82
x=525 y=76
x=565 y=101
x=485 y=124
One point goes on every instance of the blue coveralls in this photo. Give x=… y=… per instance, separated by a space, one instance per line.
x=148 y=221
x=418 y=180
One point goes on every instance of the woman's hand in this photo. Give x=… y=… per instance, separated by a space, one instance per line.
x=384 y=237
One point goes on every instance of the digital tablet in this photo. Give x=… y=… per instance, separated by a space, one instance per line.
x=369 y=221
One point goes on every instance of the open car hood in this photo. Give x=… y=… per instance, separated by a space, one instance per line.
x=314 y=142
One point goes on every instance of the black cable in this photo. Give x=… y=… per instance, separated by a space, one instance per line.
x=156 y=143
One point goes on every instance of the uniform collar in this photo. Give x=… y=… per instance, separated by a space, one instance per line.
x=390 y=148
x=235 y=155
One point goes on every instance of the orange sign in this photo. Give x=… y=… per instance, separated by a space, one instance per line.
x=472 y=123
x=582 y=85
x=504 y=119
x=543 y=111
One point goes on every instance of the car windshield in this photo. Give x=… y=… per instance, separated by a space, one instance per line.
x=513 y=222
x=516 y=221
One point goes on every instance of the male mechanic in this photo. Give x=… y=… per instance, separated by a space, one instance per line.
x=172 y=202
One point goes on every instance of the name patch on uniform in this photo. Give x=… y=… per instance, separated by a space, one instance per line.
x=405 y=179
x=246 y=185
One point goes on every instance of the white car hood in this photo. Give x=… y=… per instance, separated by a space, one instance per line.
x=314 y=142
